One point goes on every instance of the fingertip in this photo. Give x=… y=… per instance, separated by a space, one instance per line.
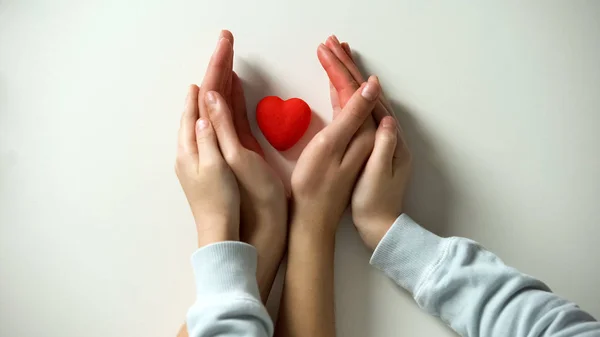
x=321 y=48
x=335 y=39
x=371 y=90
x=388 y=122
x=226 y=34
x=386 y=130
x=332 y=42
x=323 y=54
x=202 y=125
x=374 y=78
x=192 y=91
x=346 y=48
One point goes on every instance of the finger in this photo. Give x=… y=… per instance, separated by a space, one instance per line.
x=240 y=117
x=383 y=108
x=218 y=71
x=336 y=48
x=354 y=114
x=335 y=101
x=228 y=87
x=386 y=138
x=402 y=157
x=220 y=118
x=347 y=49
x=342 y=80
x=226 y=34
x=360 y=147
x=206 y=141
x=187 y=136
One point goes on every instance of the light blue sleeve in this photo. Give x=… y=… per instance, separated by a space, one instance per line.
x=227 y=298
x=471 y=290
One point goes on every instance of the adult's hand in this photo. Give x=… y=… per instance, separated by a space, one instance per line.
x=378 y=196
x=322 y=184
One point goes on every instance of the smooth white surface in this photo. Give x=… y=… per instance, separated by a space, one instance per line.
x=502 y=112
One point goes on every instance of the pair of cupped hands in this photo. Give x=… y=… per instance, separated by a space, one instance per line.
x=360 y=158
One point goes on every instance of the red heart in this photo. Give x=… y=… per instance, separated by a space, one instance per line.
x=282 y=122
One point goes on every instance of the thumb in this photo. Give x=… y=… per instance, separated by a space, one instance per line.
x=222 y=122
x=206 y=140
x=382 y=157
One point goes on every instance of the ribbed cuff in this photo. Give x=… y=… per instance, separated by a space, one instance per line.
x=408 y=253
x=225 y=267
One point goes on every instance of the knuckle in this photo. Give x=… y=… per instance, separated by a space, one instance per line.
x=212 y=164
x=233 y=158
x=324 y=142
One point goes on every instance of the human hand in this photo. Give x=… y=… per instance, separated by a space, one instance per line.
x=328 y=167
x=208 y=183
x=263 y=222
x=378 y=195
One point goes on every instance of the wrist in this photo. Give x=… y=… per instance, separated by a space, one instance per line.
x=213 y=229
x=373 y=230
x=313 y=230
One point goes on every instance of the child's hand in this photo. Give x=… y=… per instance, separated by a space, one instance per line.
x=379 y=192
x=207 y=180
x=328 y=167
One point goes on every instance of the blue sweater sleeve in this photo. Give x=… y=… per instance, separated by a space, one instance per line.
x=472 y=290
x=227 y=298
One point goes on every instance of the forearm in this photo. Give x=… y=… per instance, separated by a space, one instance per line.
x=307 y=306
x=472 y=290
x=270 y=242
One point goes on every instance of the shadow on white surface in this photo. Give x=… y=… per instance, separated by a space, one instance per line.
x=430 y=192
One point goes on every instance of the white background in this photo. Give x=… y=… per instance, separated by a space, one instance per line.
x=500 y=102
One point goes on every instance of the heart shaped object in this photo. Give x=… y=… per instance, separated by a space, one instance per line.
x=282 y=122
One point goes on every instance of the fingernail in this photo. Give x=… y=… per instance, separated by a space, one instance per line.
x=202 y=124
x=371 y=89
x=335 y=39
x=388 y=122
x=210 y=98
